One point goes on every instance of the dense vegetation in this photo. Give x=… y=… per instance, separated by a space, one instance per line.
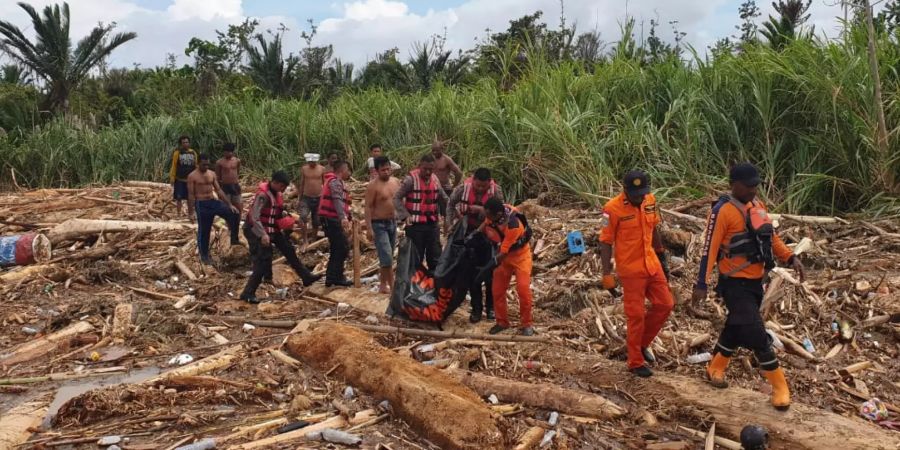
x=549 y=110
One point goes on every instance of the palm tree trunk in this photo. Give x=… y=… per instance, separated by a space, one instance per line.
x=886 y=175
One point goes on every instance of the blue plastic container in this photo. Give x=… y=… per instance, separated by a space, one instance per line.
x=576 y=242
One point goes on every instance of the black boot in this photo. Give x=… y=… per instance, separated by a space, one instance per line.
x=475 y=316
x=311 y=279
x=490 y=314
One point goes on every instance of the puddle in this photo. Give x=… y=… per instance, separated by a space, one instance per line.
x=72 y=389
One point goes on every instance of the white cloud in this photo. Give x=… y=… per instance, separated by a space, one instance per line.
x=205 y=10
x=374 y=9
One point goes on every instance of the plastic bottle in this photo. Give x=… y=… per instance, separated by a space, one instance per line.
x=548 y=438
x=554 y=418
x=808 y=345
x=699 y=358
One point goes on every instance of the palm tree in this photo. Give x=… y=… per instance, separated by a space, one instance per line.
x=792 y=14
x=268 y=69
x=51 y=56
x=14 y=74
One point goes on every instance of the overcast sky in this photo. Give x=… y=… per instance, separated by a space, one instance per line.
x=359 y=29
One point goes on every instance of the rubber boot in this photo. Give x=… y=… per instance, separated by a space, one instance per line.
x=715 y=370
x=781 y=395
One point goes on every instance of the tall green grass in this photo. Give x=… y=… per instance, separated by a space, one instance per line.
x=804 y=115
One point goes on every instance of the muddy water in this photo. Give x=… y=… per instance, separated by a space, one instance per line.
x=72 y=389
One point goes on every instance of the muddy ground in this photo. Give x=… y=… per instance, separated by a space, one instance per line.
x=854 y=275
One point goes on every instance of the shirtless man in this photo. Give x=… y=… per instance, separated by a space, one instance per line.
x=202 y=188
x=443 y=166
x=381 y=219
x=227 y=170
x=310 y=190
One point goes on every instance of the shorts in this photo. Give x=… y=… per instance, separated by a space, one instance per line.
x=309 y=208
x=180 y=190
x=233 y=192
x=385 y=234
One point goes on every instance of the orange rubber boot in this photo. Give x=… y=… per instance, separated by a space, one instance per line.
x=781 y=395
x=715 y=370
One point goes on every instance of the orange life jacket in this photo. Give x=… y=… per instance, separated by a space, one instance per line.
x=326 y=204
x=272 y=218
x=422 y=200
x=469 y=198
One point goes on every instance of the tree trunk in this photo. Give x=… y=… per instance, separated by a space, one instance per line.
x=433 y=403
x=544 y=396
x=16 y=425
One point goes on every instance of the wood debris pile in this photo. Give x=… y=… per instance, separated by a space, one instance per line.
x=121 y=333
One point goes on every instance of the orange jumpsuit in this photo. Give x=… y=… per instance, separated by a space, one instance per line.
x=516 y=262
x=630 y=232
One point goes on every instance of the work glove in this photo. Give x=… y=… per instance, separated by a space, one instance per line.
x=609 y=281
x=664 y=262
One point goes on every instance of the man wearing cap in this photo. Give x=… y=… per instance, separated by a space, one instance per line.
x=740 y=240
x=312 y=176
x=629 y=228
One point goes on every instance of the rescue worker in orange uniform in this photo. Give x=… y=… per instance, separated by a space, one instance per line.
x=507 y=227
x=740 y=240
x=630 y=221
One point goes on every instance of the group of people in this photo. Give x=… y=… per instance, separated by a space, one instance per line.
x=740 y=241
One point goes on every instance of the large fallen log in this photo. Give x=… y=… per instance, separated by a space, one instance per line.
x=147 y=184
x=544 y=396
x=17 y=424
x=213 y=362
x=79 y=228
x=802 y=426
x=432 y=402
x=43 y=345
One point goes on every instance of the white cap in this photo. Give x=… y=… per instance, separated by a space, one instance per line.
x=311 y=157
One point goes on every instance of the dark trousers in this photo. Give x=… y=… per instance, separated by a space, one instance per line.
x=483 y=253
x=207 y=210
x=744 y=326
x=427 y=239
x=261 y=256
x=338 y=250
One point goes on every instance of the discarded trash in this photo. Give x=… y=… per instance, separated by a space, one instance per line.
x=181 y=360
x=554 y=418
x=493 y=399
x=292 y=426
x=342 y=307
x=369 y=280
x=548 y=438
x=203 y=444
x=335 y=437
x=113 y=447
x=874 y=410
x=249 y=327
x=808 y=345
x=326 y=313
x=30 y=330
x=676 y=260
x=95 y=356
x=372 y=319
x=532 y=364
x=24 y=249
x=281 y=292
x=349 y=393
x=699 y=358
x=109 y=440
x=163 y=285
x=576 y=242
x=754 y=437
x=846 y=332
x=385 y=406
